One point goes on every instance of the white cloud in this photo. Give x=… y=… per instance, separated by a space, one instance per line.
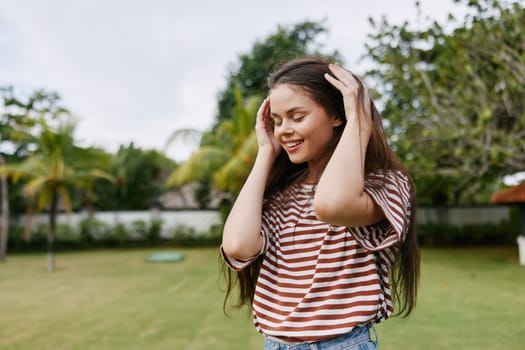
x=138 y=70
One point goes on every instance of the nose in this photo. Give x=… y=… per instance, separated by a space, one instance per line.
x=284 y=129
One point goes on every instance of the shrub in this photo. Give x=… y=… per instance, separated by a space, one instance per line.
x=154 y=231
x=139 y=230
x=66 y=232
x=474 y=235
x=37 y=240
x=187 y=236
x=118 y=234
x=92 y=229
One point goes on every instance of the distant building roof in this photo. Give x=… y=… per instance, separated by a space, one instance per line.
x=183 y=198
x=514 y=194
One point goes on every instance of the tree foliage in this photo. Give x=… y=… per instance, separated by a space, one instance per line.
x=20 y=126
x=19 y=117
x=54 y=170
x=19 y=120
x=227 y=151
x=139 y=178
x=454 y=100
x=253 y=67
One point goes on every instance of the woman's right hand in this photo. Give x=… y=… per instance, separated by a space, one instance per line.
x=241 y=237
x=264 y=130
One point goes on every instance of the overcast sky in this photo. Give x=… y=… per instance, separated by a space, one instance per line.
x=136 y=71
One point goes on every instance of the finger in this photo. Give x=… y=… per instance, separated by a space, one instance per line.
x=263 y=111
x=339 y=71
x=345 y=76
x=263 y=106
x=266 y=112
x=335 y=82
x=345 y=89
x=265 y=115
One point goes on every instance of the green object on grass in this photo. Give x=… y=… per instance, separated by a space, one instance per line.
x=165 y=257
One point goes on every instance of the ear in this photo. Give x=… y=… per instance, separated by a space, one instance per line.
x=337 y=122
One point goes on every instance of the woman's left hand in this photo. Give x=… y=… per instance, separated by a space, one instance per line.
x=341 y=198
x=349 y=86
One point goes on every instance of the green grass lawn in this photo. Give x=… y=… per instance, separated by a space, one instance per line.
x=469 y=299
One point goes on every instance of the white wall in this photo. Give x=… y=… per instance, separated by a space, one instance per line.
x=200 y=220
x=463 y=216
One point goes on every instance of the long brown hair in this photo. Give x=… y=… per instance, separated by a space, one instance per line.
x=308 y=75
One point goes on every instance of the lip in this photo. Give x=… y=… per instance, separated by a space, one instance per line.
x=292 y=145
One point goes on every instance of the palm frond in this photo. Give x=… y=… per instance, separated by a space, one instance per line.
x=66 y=198
x=43 y=197
x=96 y=173
x=231 y=176
x=187 y=136
x=35 y=185
x=199 y=167
x=32 y=166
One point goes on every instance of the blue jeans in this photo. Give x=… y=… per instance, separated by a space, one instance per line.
x=358 y=339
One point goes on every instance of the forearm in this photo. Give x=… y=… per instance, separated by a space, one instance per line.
x=346 y=167
x=241 y=236
x=340 y=197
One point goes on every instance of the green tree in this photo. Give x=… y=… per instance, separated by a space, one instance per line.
x=227 y=151
x=253 y=67
x=54 y=170
x=4 y=212
x=139 y=178
x=454 y=99
x=18 y=121
x=225 y=154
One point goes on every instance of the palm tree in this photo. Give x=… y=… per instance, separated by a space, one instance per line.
x=17 y=123
x=4 y=212
x=225 y=155
x=56 y=167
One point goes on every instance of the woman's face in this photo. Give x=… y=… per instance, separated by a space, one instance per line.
x=302 y=127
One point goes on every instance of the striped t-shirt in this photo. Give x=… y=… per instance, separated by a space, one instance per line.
x=319 y=281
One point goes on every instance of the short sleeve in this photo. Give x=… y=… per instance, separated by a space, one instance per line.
x=391 y=191
x=237 y=264
x=241 y=264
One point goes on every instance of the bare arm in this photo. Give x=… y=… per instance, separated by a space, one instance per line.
x=340 y=198
x=241 y=236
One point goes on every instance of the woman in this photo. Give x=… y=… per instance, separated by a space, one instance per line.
x=322 y=233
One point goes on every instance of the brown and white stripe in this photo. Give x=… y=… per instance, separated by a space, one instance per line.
x=319 y=281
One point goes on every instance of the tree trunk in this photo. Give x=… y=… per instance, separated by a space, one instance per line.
x=4 y=213
x=91 y=218
x=51 y=232
x=28 y=226
x=522 y=218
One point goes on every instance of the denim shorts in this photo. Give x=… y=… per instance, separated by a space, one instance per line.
x=358 y=339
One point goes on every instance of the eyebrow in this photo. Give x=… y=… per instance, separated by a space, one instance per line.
x=288 y=112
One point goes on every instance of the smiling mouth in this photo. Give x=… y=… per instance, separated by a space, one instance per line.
x=292 y=145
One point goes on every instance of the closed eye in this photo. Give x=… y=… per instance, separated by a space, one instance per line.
x=276 y=121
